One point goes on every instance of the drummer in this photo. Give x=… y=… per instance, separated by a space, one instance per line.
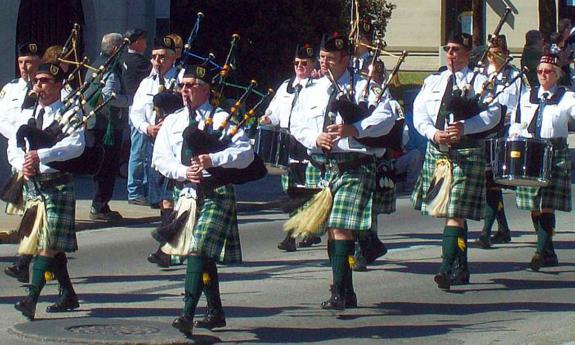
x=279 y=114
x=545 y=113
x=508 y=98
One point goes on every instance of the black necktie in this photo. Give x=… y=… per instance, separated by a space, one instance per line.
x=440 y=122
x=40 y=118
x=329 y=116
x=297 y=90
x=536 y=122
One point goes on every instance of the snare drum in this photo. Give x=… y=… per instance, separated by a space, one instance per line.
x=523 y=162
x=272 y=145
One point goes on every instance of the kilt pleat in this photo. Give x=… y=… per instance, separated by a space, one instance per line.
x=216 y=231
x=467 y=197
x=57 y=190
x=352 y=191
x=557 y=195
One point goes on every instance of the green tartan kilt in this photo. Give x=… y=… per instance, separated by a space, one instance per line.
x=216 y=233
x=352 y=192
x=312 y=176
x=294 y=176
x=557 y=195
x=467 y=197
x=57 y=189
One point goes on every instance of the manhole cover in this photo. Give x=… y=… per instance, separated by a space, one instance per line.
x=113 y=330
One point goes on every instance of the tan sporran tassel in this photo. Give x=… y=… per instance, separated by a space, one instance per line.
x=31 y=226
x=310 y=219
x=182 y=241
x=437 y=198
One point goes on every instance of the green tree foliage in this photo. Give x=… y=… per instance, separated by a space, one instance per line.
x=269 y=31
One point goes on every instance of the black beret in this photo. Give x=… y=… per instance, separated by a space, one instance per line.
x=304 y=51
x=28 y=49
x=462 y=38
x=168 y=102
x=135 y=34
x=52 y=69
x=335 y=43
x=165 y=42
x=198 y=72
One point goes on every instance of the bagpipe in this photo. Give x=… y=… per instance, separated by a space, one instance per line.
x=69 y=119
x=198 y=141
x=464 y=104
x=352 y=112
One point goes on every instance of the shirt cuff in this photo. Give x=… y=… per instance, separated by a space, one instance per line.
x=181 y=172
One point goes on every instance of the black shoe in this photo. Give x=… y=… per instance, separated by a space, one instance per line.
x=211 y=321
x=550 y=260
x=109 y=216
x=138 y=201
x=501 y=236
x=335 y=302
x=483 y=241
x=309 y=241
x=27 y=307
x=184 y=324
x=159 y=258
x=443 y=280
x=66 y=303
x=19 y=272
x=376 y=250
x=350 y=300
x=460 y=277
x=536 y=262
x=288 y=245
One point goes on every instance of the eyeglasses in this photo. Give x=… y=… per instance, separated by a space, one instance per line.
x=454 y=49
x=189 y=85
x=545 y=71
x=43 y=80
x=297 y=63
x=159 y=56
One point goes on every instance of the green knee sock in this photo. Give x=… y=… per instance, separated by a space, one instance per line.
x=330 y=249
x=449 y=247
x=42 y=264
x=490 y=210
x=212 y=288
x=547 y=222
x=62 y=275
x=462 y=246
x=193 y=285
x=340 y=265
x=348 y=276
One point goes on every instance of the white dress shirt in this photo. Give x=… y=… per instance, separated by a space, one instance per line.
x=309 y=112
x=11 y=99
x=70 y=147
x=555 y=116
x=280 y=107
x=428 y=101
x=142 y=112
x=168 y=145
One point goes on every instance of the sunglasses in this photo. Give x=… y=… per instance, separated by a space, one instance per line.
x=451 y=48
x=297 y=63
x=189 y=85
x=43 y=80
x=545 y=71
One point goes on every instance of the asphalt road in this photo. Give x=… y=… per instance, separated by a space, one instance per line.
x=274 y=297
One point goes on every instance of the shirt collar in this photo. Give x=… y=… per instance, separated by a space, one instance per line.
x=550 y=92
